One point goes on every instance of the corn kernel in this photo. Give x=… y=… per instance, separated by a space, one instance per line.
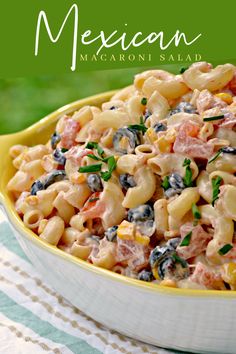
x=163 y=145
x=78 y=178
x=168 y=282
x=126 y=231
x=171 y=135
x=151 y=134
x=144 y=240
x=226 y=97
x=229 y=273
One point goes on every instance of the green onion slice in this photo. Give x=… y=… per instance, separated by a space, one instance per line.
x=186 y=240
x=144 y=101
x=111 y=162
x=64 y=150
x=182 y=70
x=91 y=168
x=94 y=145
x=209 y=119
x=225 y=249
x=94 y=157
x=93 y=200
x=165 y=184
x=188 y=173
x=216 y=182
x=180 y=260
x=215 y=156
x=196 y=212
x=140 y=127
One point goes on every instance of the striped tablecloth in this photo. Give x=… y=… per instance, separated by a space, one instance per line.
x=36 y=319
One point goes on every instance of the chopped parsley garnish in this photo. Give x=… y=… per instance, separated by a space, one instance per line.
x=186 y=240
x=111 y=162
x=215 y=156
x=209 y=119
x=91 y=145
x=94 y=145
x=64 y=150
x=140 y=127
x=165 y=184
x=225 y=249
x=188 y=173
x=215 y=188
x=91 y=168
x=196 y=212
x=144 y=101
x=182 y=70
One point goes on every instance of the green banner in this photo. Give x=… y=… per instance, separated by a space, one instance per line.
x=48 y=36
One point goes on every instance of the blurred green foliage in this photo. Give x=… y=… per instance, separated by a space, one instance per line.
x=26 y=100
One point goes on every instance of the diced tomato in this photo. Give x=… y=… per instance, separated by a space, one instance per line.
x=138 y=262
x=198 y=241
x=76 y=154
x=134 y=254
x=229 y=122
x=126 y=249
x=190 y=129
x=206 y=100
x=91 y=202
x=205 y=276
x=102 y=250
x=69 y=134
x=187 y=143
x=94 y=207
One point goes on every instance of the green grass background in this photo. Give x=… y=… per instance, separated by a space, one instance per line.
x=24 y=101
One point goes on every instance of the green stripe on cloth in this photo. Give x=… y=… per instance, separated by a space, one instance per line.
x=18 y=313
x=8 y=240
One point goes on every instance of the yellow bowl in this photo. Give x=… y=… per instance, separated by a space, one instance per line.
x=184 y=319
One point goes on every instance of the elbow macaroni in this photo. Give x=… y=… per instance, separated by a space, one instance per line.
x=150 y=172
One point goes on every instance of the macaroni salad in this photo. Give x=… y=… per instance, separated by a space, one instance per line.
x=144 y=185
